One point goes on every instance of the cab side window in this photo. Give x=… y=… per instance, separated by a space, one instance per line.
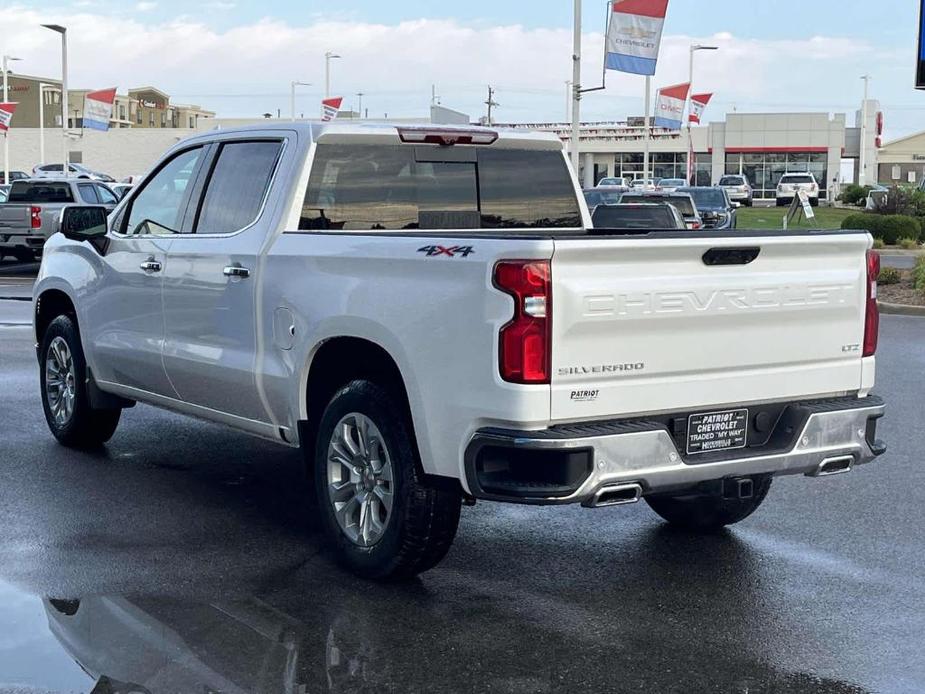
x=237 y=186
x=88 y=193
x=159 y=207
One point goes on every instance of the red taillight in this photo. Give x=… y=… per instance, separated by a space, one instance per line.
x=695 y=225
x=36 y=217
x=872 y=314
x=524 y=342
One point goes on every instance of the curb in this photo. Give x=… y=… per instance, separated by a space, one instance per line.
x=900 y=309
x=899 y=251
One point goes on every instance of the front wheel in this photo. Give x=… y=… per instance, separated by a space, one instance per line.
x=699 y=512
x=382 y=517
x=65 y=400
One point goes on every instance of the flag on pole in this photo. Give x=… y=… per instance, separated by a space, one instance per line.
x=330 y=108
x=6 y=115
x=98 y=109
x=698 y=104
x=634 y=34
x=669 y=106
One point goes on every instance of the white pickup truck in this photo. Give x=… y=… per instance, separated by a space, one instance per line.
x=429 y=314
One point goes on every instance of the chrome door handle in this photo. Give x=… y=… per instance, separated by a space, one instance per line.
x=237 y=271
x=151 y=266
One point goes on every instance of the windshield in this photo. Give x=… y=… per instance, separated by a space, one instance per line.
x=383 y=187
x=683 y=202
x=706 y=197
x=675 y=182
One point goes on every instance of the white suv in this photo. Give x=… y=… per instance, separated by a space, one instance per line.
x=790 y=183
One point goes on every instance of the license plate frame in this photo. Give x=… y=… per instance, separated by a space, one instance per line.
x=726 y=430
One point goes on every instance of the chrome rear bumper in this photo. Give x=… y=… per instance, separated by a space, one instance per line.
x=834 y=436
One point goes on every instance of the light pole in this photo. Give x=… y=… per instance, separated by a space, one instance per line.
x=568 y=99
x=690 y=91
x=328 y=57
x=64 y=146
x=360 y=104
x=6 y=135
x=862 y=160
x=292 y=86
x=576 y=85
x=42 y=89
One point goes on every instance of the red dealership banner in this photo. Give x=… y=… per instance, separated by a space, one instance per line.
x=7 y=109
x=331 y=107
x=698 y=104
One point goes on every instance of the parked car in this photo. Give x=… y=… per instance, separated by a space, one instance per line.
x=76 y=170
x=670 y=185
x=340 y=287
x=14 y=176
x=31 y=212
x=682 y=201
x=120 y=189
x=737 y=188
x=4 y=191
x=715 y=208
x=790 y=183
x=637 y=216
x=601 y=196
x=877 y=197
x=617 y=182
x=643 y=183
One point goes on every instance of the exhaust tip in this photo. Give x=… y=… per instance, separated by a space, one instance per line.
x=833 y=466
x=616 y=495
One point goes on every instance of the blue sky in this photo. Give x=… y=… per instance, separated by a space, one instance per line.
x=237 y=56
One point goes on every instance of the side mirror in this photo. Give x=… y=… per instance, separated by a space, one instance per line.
x=83 y=223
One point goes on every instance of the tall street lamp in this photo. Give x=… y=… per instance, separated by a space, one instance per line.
x=360 y=106
x=6 y=135
x=292 y=86
x=690 y=91
x=328 y=57
x=65 y=164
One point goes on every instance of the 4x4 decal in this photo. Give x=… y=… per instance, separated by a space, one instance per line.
x=451 y=251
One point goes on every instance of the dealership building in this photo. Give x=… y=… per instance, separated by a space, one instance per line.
x=761 y=146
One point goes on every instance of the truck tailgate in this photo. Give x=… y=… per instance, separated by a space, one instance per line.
x=15 y=219
x=647 y=325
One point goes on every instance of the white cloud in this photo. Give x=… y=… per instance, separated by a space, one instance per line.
x=220 y=5
x=246 y=70
x=145 y=6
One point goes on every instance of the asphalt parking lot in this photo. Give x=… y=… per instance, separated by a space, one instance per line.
x=182 y=558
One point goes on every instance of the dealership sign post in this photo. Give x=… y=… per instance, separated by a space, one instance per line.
x=920 y=54
x=634 y=35
x=698 y=105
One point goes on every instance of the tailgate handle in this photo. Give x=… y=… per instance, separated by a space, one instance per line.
x=731 y=256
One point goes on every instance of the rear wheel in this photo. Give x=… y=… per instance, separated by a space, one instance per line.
x=65 y=397
x=700 y=512
x=382 y=517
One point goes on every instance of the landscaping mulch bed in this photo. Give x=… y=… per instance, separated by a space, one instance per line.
x=902 y=292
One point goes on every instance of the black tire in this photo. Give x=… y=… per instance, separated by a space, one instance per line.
x=422 y=523
x=85 y=427
x=708 y=512
x=748 y=203
x=814 y=202
x=24 y=255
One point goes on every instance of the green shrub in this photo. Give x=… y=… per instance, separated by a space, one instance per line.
x=889 y=275
x=878 y=243
x=853 y=194
x=888 y=227
x=918 y=274
x=909 y=244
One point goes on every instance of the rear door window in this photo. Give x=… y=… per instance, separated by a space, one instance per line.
x=796 y=179
x=237 y=186
x=29 y=191
x=395 y=187
x=731 y=181
x=88 y=193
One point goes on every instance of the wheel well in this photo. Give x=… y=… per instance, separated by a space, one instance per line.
x=50 y=305
x=344 y=359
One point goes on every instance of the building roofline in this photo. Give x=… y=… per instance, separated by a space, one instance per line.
x=900 y=139
x=149 y=89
